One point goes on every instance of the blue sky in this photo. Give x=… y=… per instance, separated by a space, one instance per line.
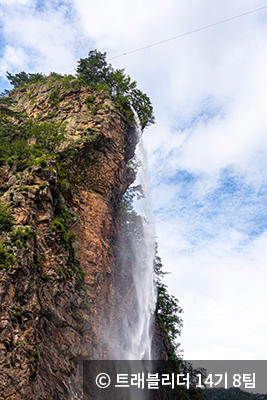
x=207 y=152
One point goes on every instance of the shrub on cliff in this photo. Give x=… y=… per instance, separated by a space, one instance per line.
x=5 y=218
x=22 y=143
x=168 y=310
x=23 y=78
x=95 y=70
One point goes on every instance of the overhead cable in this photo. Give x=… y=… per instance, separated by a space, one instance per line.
x=189 y=33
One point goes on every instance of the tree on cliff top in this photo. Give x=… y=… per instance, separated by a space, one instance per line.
x=95 y=70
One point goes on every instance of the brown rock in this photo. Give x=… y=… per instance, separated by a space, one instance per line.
x=48 y=319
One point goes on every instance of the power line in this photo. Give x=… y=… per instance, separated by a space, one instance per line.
x=189 y=33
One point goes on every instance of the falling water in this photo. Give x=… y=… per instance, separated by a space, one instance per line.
x=130 y=332
x=141 y=336
x=127 y=334
x=137 y=291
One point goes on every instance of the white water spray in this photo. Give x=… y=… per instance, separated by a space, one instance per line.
x=130 y=334
x=140 y=334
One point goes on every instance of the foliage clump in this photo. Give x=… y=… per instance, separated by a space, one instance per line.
x=167 y=310
x=5 y=218
x=232 y=393
x=6 y=111
x=23 y=140
x=23 y=143
x=22 y=78
x=61 y=224
x=54 y=97
x=77 y=315
x=96 y=72
x=20 y=236
x=6 y=257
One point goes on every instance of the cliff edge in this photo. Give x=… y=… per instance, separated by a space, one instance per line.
x=58 y=222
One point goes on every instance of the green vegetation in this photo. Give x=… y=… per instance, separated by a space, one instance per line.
x=78 y=315
x=86 y=305
x=231 y=394
x=90 y=100
x=43 y=185
x=6 y=257
x=20 y=236
x=18 y=239
x=24 y=143
x=22 y=78
x=61 y=224
x=5 y=218
x=99 y=75
x=5 y=111
x=167 y=310
x=54 y=97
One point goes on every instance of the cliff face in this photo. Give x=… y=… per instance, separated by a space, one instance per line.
x=56 y=289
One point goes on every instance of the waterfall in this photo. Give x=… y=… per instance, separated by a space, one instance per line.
x=130 y=332
x=141 y=335
x=135 y=283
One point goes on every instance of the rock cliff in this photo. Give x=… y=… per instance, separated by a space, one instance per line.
x=57 y=254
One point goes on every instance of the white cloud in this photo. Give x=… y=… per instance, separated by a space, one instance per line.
x=223 y=295
x=13 y=58
x=17 y=2
x=47 y=37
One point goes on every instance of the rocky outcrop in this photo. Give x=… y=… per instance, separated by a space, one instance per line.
x=56 y=284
